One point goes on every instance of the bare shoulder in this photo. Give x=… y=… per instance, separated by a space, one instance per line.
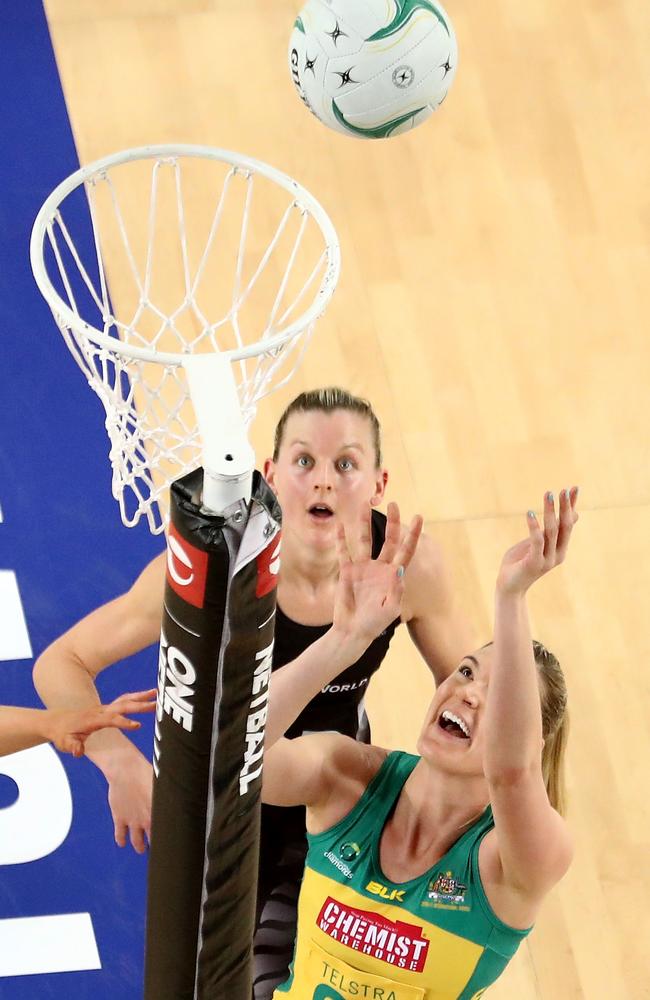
x=152 y=578
x=347 y=760
x=144 y=597
x=428 y=554
x=355 y=761
x=351 y=766
x=426 y=579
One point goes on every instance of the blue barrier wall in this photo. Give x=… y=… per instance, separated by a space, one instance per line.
x=63 y=551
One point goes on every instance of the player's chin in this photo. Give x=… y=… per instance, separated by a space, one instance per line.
x=325 y=526
x=435 y=745
x=425 y=746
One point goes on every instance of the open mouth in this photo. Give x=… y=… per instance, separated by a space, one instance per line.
x=321 y=511
x=454 y=725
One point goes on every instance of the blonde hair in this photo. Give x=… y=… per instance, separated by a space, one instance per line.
x=328 y=400
x=555 y=724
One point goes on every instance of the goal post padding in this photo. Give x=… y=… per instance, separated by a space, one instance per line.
x=214 y=670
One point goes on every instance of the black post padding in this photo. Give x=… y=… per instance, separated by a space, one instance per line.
x=214 y=668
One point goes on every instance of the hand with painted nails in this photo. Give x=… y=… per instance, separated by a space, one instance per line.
x=545 y=547
x=369 y=592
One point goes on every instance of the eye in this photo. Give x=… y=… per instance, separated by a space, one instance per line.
x=345 y=464
x=466 y=671
x=304 y=461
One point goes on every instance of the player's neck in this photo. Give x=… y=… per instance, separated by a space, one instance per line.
x=306 y=567
x=433 y=811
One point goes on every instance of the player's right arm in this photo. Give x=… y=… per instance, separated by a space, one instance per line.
x=368 y=597
x=327 y=771
x=65 y=674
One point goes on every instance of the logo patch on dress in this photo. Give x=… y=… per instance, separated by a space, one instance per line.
x=392 y=941
x=349 y=851
x=446 y=891
x=390 y=895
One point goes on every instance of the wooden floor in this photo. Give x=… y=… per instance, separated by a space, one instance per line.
x=494 y=305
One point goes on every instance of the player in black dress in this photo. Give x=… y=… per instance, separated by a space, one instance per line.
x=327 y=457
x=326 y=468
x=283 y=846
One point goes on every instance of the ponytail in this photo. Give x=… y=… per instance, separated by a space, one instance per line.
x=555 y=725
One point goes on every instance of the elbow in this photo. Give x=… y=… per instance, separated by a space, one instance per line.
x=52 y=669
x=40 y=671
x=43 y=672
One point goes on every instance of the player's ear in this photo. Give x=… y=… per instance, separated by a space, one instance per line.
x=269 y=473
x=380 y=487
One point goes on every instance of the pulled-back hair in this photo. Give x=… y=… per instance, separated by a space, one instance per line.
x=555 y=724
x=328 y=400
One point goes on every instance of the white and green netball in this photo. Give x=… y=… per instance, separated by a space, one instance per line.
x=372 y=68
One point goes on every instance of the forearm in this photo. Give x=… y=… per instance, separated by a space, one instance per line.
x=63 y=682
x=512 y=717
x=21 y=728
x=293 y=686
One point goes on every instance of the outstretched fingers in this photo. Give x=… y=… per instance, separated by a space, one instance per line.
x=345 y=568
x=364 y=539
x=536 y=541
x=409 y=543
x=568 y=517
x=551 y=529
x=392 y=536
x=138 y=701
x=118 y=721
x=342 y=550
x=550 y=542
x=396 y=550
x=113 y=716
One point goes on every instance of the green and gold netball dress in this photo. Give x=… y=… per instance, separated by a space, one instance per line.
x=362 y=936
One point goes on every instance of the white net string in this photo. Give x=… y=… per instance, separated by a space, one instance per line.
x=180 y=254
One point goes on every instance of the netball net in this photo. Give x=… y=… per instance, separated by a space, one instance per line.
x=158 y=255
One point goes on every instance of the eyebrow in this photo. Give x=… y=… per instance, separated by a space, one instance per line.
x=344 y=447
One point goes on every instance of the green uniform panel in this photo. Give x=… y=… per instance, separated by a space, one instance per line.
x=362 y=936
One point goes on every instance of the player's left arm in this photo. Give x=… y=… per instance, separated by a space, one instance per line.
x=433 y=613
x=531 y=848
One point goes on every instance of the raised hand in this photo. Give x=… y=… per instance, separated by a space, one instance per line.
x=369 y=592
x=545 y=547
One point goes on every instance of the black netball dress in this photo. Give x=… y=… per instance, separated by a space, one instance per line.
x=338 y=708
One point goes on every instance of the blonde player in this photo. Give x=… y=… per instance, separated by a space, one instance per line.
x=424 y=873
